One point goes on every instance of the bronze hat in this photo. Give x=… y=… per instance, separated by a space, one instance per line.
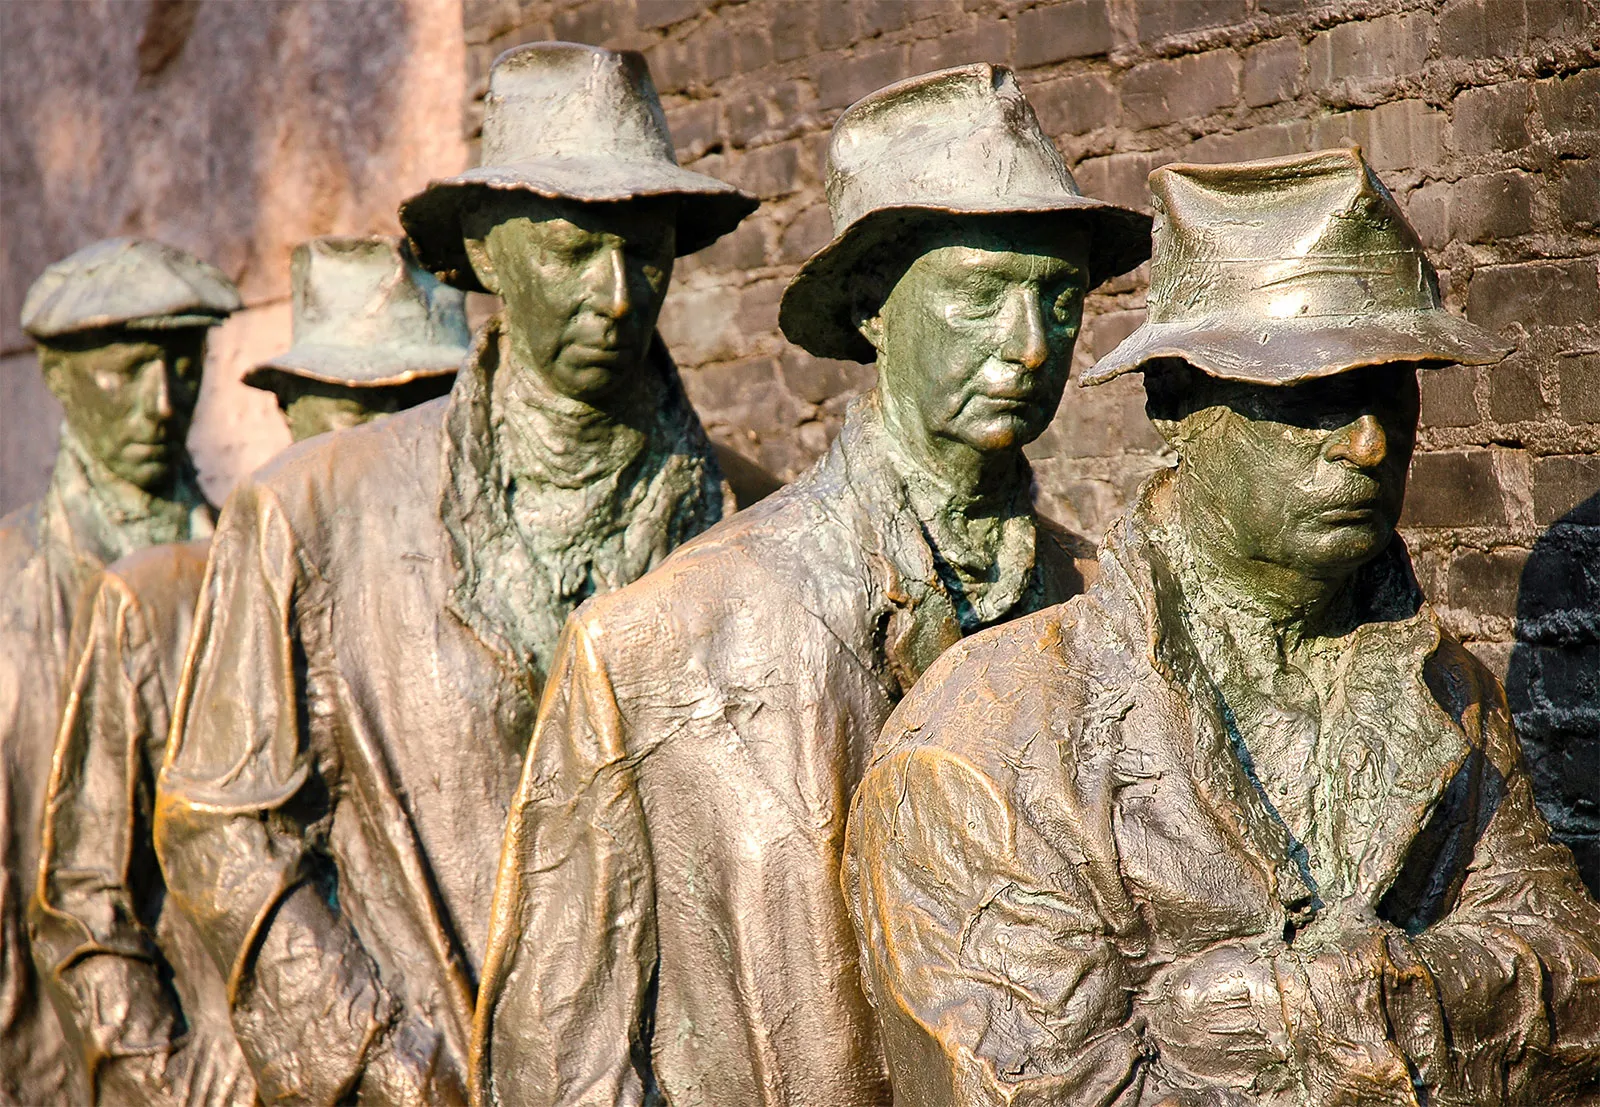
x=367 y=316
x=1289 y=269
x=127 y=282
x=959 y=142
x=575 y=123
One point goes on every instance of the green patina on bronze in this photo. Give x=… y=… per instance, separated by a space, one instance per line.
x=121 y=329
x=1243 y=824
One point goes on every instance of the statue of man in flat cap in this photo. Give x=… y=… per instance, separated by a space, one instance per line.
x=383 y=604
x=668 y=925
x=1242 y=824
x=132 y=982
x=121 y=331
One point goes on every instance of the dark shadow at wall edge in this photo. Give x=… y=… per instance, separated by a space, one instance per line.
x=1553 y=681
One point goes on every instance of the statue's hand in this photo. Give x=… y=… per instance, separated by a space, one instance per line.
x=1217 y=1016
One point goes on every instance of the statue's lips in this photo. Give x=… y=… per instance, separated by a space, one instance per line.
x=1350 y=514
x=140 y=451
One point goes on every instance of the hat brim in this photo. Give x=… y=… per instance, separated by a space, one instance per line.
x=356 y=368
x=1286 y=352
x=708 y=210
x=815 y=313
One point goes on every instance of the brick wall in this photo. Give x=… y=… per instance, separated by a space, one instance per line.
x=1483 y=117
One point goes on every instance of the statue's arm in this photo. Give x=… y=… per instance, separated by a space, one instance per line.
x=100 y=962
x=240 y=802
x=993 y=975
x=566 y=1002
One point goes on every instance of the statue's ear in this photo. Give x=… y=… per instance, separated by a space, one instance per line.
x=54 y=365
x=482 y=264
x=866 y=311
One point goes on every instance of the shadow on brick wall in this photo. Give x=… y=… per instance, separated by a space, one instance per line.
x=1553 y=681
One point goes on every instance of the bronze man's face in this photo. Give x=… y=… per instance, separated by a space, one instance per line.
x=1310 y=477
x=130 y=396
x=977 y=335
x=582 y=283
x=313 y=407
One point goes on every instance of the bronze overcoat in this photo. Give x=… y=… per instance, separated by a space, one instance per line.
x=346 y=742
x=130 y=977
x=49 y=551
x=1057 y=812
x=668 y=926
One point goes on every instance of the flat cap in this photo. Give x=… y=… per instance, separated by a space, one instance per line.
x=127 y=282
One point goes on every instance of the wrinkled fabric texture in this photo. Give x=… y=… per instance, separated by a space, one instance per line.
x=132 y=983
x=48 y=552
x=1058 y=826
x=345 y=747
x=668 y=926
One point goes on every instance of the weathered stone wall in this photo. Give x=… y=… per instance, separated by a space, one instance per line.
x=231 y=128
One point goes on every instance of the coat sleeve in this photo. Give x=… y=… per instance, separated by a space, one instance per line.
x=995 y=978
x=1515 y=965
x=565 y=1006
x=96 y=870
x=242 y=805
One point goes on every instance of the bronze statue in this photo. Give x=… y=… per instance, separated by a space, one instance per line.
x=121 y=330
x=131 y=980
x=374 y=333
x=1242 y=824
x=382 y=604
x=668 y=925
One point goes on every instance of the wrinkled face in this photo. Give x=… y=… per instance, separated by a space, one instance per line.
x=582 y=283
x=312 y=408
x=1310 y=477
x=976 y=337
x=129 y=396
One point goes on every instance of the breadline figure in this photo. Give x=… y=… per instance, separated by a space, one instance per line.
x=382 y=604
x=1242 y=824
x=121 y=332
x=668 y=926
x=132 y=982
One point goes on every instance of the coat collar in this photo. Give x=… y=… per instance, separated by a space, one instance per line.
x=1393 y=740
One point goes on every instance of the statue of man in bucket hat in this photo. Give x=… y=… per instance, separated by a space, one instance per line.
x=131 y=980
x=383 y=603
x=121 y=330
x=668 y=925
x=1242 y=824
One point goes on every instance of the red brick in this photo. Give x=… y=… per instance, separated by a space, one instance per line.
x=696 y=126
x=1561 y=484
x=1487 y=583
x=1072 y=29
x=1542 y=293
x=1365 y=50
x=1160 y=18
x=1503 y=28
x=1570 y=109
x=1270 y=141
x=1406 y=134
x=1514 y=392
x=836 y=24
x=793 y=29
x=1181 y=88
x=1580 y=193
x=1453 y=489
x=1578 y=378
x=1428 y=209
x=1493 y=206
x=877 y=17
x=664 y=13
x=768 y=171
x=1493 y=119
x=594 y=23
x=817 y=379
x=842 y=81
x=1447 y=396
x=1273 y=72
x=1120 y=178
x=986 y=42
x=807 y=233
x=1076 y=106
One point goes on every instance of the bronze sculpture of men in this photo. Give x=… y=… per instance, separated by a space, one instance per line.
x=381 y=603
x=668 y=925
x=121 y=328
x=132 y=982
x=1242 y=824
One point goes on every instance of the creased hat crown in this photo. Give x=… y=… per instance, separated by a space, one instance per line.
x=127 y=282
x=957 y=142
x=365 y=314
x=1289 y=269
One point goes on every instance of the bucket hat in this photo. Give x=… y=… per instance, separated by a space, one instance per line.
x=570 y=122
x=958 y=142
x=133 y=283
x=367 y=316
x=1286 y=270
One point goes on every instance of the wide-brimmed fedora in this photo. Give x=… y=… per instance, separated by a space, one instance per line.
x=571 y=122
x=1287 y=270
x=958 y=142
x=132 y=283
x=366 y=316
